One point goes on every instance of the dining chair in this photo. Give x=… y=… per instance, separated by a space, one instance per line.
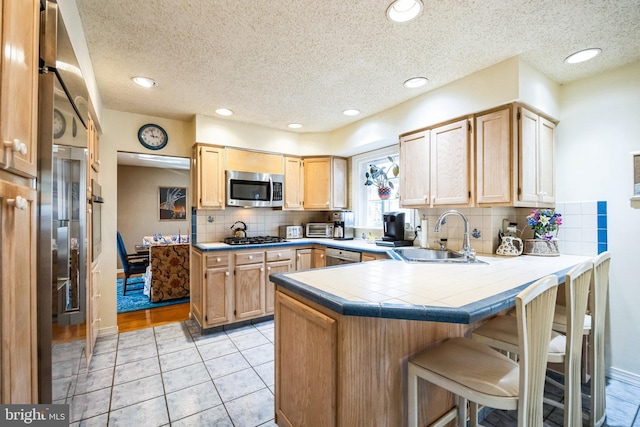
x=482 y=376
x=132 y=264
x=501 y=333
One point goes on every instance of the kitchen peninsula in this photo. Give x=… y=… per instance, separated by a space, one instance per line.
x=344 y=334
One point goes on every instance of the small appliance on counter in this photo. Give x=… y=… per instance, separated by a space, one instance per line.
x=291 y=232
x=319 y=229
x=343 y=225
x=393 y=227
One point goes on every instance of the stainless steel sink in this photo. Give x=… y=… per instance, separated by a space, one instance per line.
x=432 y=255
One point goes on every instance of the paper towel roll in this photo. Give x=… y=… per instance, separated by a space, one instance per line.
x=423 y=234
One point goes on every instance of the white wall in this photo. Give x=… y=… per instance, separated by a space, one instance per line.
x=599 y=126
x=120 y=133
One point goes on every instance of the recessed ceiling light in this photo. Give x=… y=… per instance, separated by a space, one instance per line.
x=351 y=112
x=583 y=55
x=294 y=125
x=404 y=10
x=144 y=81
x=224 y=112
x=415 y=82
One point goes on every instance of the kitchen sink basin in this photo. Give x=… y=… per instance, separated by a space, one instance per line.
x=432 y=255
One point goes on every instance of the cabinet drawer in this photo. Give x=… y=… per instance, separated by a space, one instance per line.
x=279 y=255
x=217 y=260
x=249 y=257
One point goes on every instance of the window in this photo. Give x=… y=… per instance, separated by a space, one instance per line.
x=367 y=204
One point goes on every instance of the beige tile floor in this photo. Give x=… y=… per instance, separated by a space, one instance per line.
x=170 y=376
x=174 y=375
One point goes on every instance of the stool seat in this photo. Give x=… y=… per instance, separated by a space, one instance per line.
x=502 y=332
x=560 y=320
x=479 y=375
x=493 y=374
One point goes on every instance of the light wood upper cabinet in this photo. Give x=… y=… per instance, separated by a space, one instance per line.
x=536 y=167
x=293 y=183
x=494 y=157
x=325 y=183
x=435 y=167
x=19 y=86
x=94 y=145
x=18 y=312
x=208 y=177
x=253 y=161
x=450 y=164
x=415 y=175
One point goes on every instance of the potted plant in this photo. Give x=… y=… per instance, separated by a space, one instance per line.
x=379 y=177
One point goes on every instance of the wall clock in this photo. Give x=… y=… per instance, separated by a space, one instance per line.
x=59 y=123
x=153 y=137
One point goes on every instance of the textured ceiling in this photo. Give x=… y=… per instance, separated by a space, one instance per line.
x=280 y=61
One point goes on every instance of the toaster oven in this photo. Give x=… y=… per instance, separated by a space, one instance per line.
x=319 y=229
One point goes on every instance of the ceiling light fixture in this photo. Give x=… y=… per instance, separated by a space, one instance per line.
x=294 y=125
x=224 y=112
x=583 y=55
x=351 y=112
x=144 y=81
x=404 y=10
x=415 y=82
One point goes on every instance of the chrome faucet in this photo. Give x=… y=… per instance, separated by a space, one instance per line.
x=466 y=242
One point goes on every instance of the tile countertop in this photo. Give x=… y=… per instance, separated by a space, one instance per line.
x=355 y=244
x=452 y=293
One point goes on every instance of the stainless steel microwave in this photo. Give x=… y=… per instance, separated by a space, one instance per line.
x=249 y=189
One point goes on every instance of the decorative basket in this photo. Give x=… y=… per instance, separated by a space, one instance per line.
x=541 y=247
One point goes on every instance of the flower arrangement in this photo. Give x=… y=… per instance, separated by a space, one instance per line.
x=544 y=222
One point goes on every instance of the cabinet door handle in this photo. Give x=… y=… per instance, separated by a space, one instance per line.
x=226 y=273
x=218 y=259
x=19 y=203
x=321 y=255
x=268 y=268
x=250 y=257
x=261 y=268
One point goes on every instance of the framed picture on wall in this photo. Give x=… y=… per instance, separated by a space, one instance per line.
x=172 y=203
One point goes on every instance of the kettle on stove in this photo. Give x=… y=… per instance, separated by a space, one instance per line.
x=239 y=231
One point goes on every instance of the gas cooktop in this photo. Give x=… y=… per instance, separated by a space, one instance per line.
x=256 y=240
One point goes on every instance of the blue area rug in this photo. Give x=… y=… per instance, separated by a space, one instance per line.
x=136 y=299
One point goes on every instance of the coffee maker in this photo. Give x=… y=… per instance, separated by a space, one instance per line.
x=343 y=225
x=393 y=227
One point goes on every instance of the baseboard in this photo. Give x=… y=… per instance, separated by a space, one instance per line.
x=111 y=330
x=624 y=376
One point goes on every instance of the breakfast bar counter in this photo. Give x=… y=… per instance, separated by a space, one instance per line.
x=344 y=334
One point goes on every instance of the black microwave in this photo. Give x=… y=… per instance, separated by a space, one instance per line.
x=249 y=189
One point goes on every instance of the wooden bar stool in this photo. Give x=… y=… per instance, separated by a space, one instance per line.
x=501 y=333
x=476 y=373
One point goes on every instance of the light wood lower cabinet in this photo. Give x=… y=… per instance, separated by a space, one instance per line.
x=373 y=256
x=248 y=285
x=306 y=365
x=303 y=259
x=210 y=288
x=318 y=258
x=335 y=370
x=278 y=261
x=18 y=316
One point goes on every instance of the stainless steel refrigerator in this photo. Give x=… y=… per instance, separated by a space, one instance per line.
x=62 y=188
